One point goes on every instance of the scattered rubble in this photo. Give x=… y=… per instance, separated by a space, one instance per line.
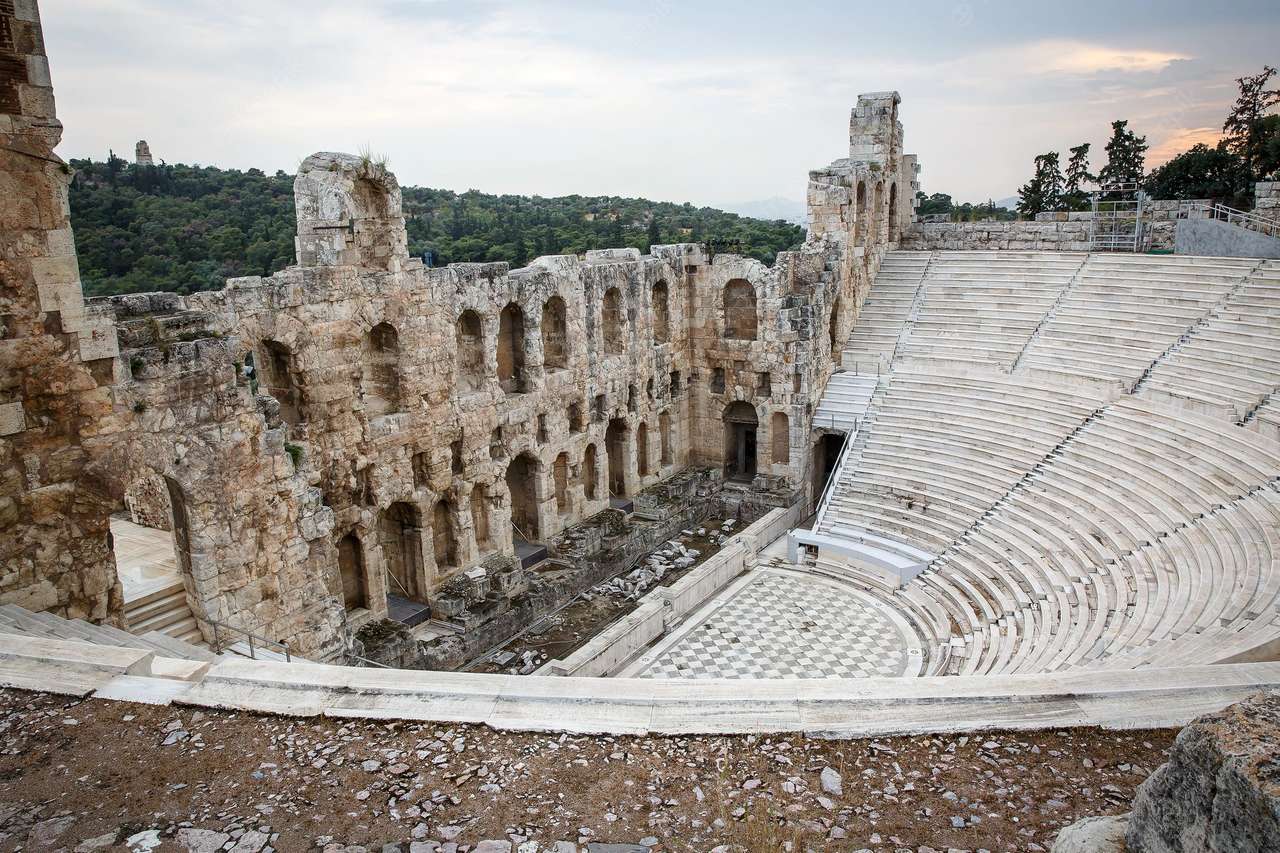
x=254 y=784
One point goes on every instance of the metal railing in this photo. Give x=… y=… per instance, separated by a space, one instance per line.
x=366 y=662
x=1231 y=216
x=255 y=640
x=830 y=488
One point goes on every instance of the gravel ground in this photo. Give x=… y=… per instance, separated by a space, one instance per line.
x=94 y=775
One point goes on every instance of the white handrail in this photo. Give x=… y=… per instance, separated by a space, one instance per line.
x=1232 y=216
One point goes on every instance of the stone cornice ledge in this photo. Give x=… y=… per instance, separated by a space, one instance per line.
x=1144 y=698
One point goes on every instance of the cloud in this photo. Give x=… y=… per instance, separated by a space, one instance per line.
x=1179 y=141
x=1065 y=57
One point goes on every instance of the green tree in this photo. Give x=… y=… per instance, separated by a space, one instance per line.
x=655 y=235
x=1044 y=191
x=1202 y=172
x=1244 y=128
x=1126 y=154
x=1077 y=177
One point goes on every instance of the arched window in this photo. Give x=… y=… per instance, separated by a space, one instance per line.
x=560 y=474
x=877 y=213
x=833 y=330
x=524 y=502
x=351 y=568
x=589 y=473
x=400 y=533
x=642 y=450
x=740 y=318
x=664 y=436
x=555 y=338
x=511 y=349
x=740 y=422
x=893 y=213
x=780 y=431
x=615 y=445
x=470 y=352
x=276 y=377
x=444 y=543
x=614 y=336
x=380 y=370
x=661 y=314
x=480 y=517
x=860 y=229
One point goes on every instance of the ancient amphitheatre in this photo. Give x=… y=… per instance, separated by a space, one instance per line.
x=912 y=478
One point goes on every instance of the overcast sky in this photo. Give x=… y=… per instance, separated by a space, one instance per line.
x=707 y=102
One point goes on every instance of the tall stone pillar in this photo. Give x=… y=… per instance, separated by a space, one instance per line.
x=56 y=357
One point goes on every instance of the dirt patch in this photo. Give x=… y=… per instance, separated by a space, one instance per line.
x=75 y=770
x=559 y=635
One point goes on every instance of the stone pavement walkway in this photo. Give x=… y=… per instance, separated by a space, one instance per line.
x=782 y=624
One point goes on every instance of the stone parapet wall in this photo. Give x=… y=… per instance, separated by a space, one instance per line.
x=1266 y=199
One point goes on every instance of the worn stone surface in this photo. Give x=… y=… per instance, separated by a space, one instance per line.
x=1220 y=790
x=1093 y=835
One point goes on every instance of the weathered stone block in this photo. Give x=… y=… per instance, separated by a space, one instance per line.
x=1220 y=790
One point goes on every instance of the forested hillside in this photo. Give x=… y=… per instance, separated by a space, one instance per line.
x=189 y=228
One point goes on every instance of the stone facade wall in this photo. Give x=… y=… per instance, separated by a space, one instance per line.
x=358 y=425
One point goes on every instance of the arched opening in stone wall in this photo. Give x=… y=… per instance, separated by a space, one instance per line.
x=511 y=349
x=740 y=423
x=664 y=437
x=642 y=450
x=833 y=331
x=780 y=435
x=524 y=501
x=380 y=370
x=151 y=538
x=740 y=318
x=589 y=473
x=351 y=567
x=893 y=213
x=480 y=517
x=860 y=215
x=555 y=335
x=615 y=445
x=470 y=352
x=661 y=313
x=614 y=336
x=560 y=476
x=400 y=535
x=444 y=540
x=877 y=213
x=276 y=376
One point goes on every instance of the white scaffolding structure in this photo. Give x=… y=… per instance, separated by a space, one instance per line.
x=1118 y=223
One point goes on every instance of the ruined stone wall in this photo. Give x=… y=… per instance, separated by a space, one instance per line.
x=359 y=426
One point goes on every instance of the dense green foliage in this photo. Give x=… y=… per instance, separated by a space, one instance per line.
x=1044 y=190
x=182 y=228
x=1202 y=172
x=189 y=228
x=1126 y=156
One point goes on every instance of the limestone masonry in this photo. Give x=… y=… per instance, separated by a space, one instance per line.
x=359 y=426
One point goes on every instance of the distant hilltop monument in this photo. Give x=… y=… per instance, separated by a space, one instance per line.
x=142 y=154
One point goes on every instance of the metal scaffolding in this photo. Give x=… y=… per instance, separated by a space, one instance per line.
x=1118 y=223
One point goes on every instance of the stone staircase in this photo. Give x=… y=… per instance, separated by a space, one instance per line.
x=20 y=621
x=844 y=402
x=164 y=611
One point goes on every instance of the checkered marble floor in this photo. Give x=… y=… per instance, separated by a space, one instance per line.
x=785 y=625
